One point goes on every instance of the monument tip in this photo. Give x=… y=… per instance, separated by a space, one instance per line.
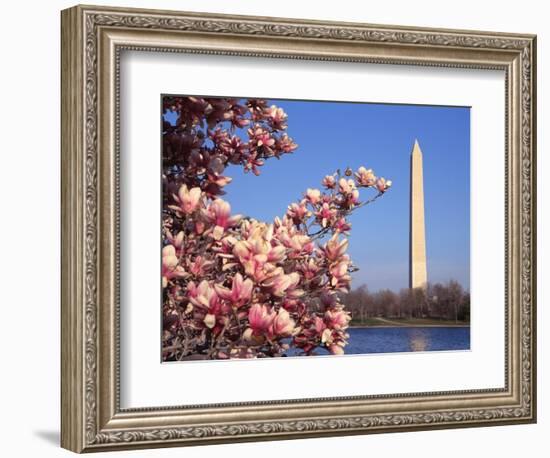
x=416 y=147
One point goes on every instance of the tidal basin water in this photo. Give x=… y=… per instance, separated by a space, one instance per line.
x=405 y=339
x=400 y=339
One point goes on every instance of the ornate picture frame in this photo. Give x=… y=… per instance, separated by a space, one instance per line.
x=92 y=41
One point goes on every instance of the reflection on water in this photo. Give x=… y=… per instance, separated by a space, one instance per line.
x=404 y=339
x=418 y=340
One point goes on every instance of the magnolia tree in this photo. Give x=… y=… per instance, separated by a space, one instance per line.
x=235 y=287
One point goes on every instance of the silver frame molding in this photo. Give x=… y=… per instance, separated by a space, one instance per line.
x=92 y=40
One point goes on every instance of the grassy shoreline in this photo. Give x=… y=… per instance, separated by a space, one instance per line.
x=407 y=322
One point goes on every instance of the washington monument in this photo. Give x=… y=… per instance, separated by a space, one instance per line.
x=418 y=275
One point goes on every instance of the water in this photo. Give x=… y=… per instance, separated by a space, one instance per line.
x=402 y=339
x=405 y=339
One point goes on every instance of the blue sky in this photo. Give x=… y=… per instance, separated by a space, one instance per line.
x=335 y=135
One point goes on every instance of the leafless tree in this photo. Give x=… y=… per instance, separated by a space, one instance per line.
x=445 y=301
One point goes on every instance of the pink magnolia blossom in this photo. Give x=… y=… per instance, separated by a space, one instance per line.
x=298 y=212
x=177 y=241
x=234 y=148
x=365 y=177
x=209 y=320
x=257 y=108
x=336 y=349
x=335 y=249
x=260 y=137
x=298 y=244
x=285 y=145
x=255 y=255
x=202 y=295
x=207 y=304
x=342 y=226
x=276 y=117
x=313 y=196
x=283 y=325
x=346 y=186
x=337 y=319
x=260 y=318
x=382 y=185
x=280 y=282
x=252 y=163
x=276 y=253
x=349 y=192
x=219 y=180
x=258 y=244
x=340 y=277
x=255 y=264
x=329 y=182
x=218 y=213
x=237 y=116
x=218 y=136
x=240 y=292
x=170 y=265
x=326 y=336
x=199 y=266
x=294 y=306
x=188 y=200
x=309 y=269
x=325 y=214
x=319 y=325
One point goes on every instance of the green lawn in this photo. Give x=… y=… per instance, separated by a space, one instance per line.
x=378 y=321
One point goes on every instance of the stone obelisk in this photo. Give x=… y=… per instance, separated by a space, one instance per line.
x=418 y=275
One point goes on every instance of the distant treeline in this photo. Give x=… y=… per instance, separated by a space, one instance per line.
x=447 y=301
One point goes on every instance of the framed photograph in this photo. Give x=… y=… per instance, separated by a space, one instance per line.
x=279 y=228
